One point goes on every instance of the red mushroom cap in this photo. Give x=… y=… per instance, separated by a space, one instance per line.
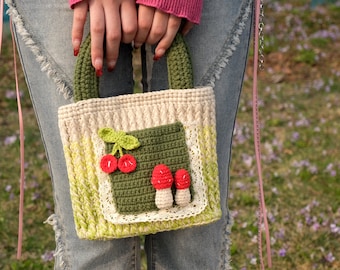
x=182 y=179
x=161 y=177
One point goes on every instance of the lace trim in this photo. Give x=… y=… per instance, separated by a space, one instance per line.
x=196 y=206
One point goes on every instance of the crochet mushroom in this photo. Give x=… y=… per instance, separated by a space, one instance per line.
x=182 y=183
x=162 y=181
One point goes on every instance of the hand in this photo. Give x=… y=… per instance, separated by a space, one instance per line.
x=156 y=26
x=116 y=21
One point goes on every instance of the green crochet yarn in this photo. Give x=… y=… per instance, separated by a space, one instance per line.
x=133 y=192
x=180 y=74
x=86 y=83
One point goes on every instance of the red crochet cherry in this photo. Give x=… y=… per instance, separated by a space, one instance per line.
x=127 y=163
x=108 y=163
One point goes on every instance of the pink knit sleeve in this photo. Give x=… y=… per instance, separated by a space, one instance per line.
x=189 y=9
x=73 y=2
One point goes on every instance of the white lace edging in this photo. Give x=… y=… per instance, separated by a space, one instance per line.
x=195 y=207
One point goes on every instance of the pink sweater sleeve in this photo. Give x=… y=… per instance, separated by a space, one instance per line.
x=73 y=2
x=188 y=9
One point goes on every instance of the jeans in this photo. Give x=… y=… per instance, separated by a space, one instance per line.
x=219 y=48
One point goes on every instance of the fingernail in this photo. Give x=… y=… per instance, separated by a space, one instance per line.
x=111 y=66
x=156 y=57
x=76 y=45
x=98 y=65
x=75 y=52
x=99 y=72
x=158 y=54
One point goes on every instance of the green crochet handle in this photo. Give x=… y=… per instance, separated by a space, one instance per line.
x=180 y=75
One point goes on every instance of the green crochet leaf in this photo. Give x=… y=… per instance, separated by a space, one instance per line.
x=120 y=139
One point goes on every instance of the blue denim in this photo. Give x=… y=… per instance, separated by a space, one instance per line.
x=219 y=48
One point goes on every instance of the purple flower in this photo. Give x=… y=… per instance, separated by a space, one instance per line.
x=318 y=84
x=315 y=226
x=274 y=190
x=271 y=217
x=303 y=122
x=330 y=169
x=282 y=252
x=35 y=196
x=253 y=261
x=335 y=229
x=8 y=188
x=48 y=205
x=34 y=184
x=280 y=234
x=313 y=169
x=299 y=226
x=247 y=160
x=308 y=220
x=10 y=94
x=10 y=140
x=329 y=257
x=295 y=136
x=48 y=256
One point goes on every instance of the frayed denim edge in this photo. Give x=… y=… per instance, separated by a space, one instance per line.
x=210 y=78
x=228 y=47
x=60 y=249
x=225 y=253
x=62 y=86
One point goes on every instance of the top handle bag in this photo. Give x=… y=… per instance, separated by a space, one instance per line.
x=141 y=163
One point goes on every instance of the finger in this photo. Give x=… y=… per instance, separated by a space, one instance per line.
x=112 y=34
x=173 y=26
x=158 y=28
x=128 y=15
x=79 y=19
x=145 y=18
x=97 y=29
x=186 y=28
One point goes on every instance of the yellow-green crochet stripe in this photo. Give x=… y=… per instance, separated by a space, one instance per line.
x=90 y=222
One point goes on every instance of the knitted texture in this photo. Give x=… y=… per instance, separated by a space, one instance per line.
x=133 y=193
x=95 y=213
x=190 y=10
x=109 y=143
x=180 y=74
x=86 y=83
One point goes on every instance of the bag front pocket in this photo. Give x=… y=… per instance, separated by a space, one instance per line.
x=133 y=192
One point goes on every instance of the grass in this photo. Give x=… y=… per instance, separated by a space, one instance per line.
x=299 y=110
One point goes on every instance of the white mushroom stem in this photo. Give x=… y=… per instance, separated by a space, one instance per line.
x=182 y=197
x=164 y=198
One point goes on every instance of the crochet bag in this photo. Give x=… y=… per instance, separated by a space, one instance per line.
x=141 y=163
